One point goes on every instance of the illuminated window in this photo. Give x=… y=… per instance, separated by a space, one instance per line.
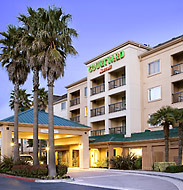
x=154 y=67
x=154 y=93
x=86 y=111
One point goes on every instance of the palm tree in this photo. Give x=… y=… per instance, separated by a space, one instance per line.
x=13 y=58
x=24 y=104
x=23 y=99
x=32 y=44
x=42 y=98
x=179 y=119
x=164 y=117
x=56 y=40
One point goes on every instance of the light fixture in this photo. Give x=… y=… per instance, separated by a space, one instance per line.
x=47 y=148
x=12 y=144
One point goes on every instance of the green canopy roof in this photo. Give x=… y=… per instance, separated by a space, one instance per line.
x=27 y=117
x=147 y=135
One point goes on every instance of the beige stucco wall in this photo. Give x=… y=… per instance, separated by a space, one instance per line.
x=57 y=109
x=130 y=63
x=83 y=101
x=163 y=79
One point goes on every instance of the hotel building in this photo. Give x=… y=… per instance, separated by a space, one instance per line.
x=123 y=87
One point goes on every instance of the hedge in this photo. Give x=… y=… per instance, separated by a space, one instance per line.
x=61 y=170
x=30 y=171
x=174 y=169
x=161 y=166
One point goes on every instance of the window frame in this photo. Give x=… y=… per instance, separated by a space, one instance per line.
x=151 y=74
x=62 y=104
x=150 y=100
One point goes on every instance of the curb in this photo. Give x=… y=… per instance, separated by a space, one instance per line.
x=37 y=180
x=18 y=177
x=151 y=174
x=54 y=181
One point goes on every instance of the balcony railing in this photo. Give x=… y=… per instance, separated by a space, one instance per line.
x=119 y=106
x=178 y=68
x=75 y=118
x=98 y=111
x=75 y=101
x=118 y=130
x=98 y=132
x=177 y=97
x=98 y=89
x=117 y=82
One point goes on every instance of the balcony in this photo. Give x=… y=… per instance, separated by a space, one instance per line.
x=75 y=101
x=98 y=132
x=177 y=69
x=119 y=106
x=75 y=119
x=117 y=82
x=118 y=130
x=177 y=97
x=98 y=111
x=98 y=89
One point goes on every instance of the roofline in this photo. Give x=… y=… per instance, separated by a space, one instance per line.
x=135 y=141
x=59 y=101
x=77 y=82
x=86 y=128
x=116 y=48
x=162 y=46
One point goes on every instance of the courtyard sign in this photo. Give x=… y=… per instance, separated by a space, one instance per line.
x=104 y=62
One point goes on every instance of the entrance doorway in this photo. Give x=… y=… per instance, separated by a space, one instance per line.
x=63 y=157
x=75 y=158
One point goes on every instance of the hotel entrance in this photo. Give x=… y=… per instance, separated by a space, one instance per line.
x=75 y=158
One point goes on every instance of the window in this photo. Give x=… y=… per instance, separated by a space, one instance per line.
x=86 y=111
x=154 y=93
x=85 y=91
x=154 y=67
x=114 y=152
x=63 y=105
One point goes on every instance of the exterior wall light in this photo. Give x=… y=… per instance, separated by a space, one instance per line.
x=12 y=144
x=47 y=148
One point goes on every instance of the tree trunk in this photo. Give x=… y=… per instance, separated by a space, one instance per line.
x=22 y=146
x=180 y=143
x=166 y=136
x=51 y=165
x=16 y=110
x=35 y=116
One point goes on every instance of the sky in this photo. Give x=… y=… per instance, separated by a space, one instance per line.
x=101 y=25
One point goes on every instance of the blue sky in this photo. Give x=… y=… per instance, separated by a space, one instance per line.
x=102 y=25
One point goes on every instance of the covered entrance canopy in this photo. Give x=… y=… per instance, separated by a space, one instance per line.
x=69 y=136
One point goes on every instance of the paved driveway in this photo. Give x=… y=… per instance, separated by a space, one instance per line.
x=121 y=180
x=15 y=184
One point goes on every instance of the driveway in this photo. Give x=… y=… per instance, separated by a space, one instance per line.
x=121 y=180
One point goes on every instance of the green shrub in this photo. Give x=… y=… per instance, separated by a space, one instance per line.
x=61 y=170
x=124 y=162
x=30 y=171
x=161 y=166
x=174 y=169
x=6 y=164
x=138 y=163
x=101 y=163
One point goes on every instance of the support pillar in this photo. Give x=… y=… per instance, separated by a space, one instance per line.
x=6 y=140
x=84 y=151
x=110 y=149
x=147 y=158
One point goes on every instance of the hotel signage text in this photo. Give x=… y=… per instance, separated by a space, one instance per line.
x=104 y=62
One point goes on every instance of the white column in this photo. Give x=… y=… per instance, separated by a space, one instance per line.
x=106 y=103
x=84 y=151
x=6 y=140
